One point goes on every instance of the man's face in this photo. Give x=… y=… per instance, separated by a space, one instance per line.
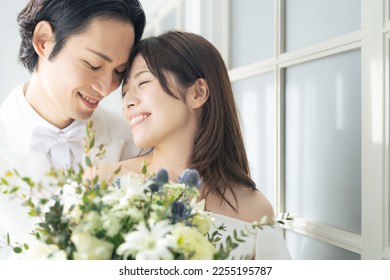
x=88 y=68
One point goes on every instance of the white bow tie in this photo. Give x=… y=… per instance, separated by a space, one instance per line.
x=63 y=149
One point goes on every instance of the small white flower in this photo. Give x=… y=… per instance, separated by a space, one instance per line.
x=91 y=248
x=130 y=188
x=130 y=180
x=91 y=222
x=145 y=244
x=70 y=196
x=133 y=212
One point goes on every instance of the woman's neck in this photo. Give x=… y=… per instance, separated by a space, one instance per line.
x=174 y=160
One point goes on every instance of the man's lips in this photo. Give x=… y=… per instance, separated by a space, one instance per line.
x=90 y=102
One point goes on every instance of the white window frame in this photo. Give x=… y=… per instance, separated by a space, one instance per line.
x=386 y=116
x=374 y=129
x=375 y=163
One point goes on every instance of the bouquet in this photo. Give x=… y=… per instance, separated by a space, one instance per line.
x=136 y=216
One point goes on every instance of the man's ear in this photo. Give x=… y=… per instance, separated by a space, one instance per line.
x=200 y=93
x=43 y=38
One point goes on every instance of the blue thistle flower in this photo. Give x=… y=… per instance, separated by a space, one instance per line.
x=190 y=177
x=97 y=186
x=162 y=176
x=179 y=211
x=117 y=182
x=154 y=187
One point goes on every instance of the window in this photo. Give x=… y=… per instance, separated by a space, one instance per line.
x=315 y=76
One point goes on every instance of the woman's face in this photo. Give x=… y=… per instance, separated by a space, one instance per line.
x=154 y=116
x=88 y=68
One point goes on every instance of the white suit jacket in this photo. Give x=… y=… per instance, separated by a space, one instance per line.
x=111 y=130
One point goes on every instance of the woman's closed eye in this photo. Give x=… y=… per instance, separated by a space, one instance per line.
x=143 y=83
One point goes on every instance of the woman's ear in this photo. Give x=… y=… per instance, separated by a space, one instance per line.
x=200 y=93
x=43 y=38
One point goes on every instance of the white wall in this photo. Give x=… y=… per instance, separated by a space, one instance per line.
x=12 y=72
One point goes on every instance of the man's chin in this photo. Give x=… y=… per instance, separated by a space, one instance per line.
x=83 y=116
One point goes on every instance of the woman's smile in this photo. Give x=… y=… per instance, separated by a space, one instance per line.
x=137 y=119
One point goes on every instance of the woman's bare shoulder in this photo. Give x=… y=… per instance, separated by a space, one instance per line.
x=253 y=205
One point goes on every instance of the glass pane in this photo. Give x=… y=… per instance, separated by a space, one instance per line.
x=309 y=21
x=252 y=37
x=305 y=248
x=256 y=102
x=323 y=141
x=388 y=205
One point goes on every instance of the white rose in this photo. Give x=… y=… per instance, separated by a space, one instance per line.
x=91 y=248
x=42 y=251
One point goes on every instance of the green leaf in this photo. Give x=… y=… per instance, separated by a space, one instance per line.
x=144 y=169
x=28 y=181
x=4 y=182
x=95 y=180
x=116 y=172
x=14 y=190
x=43 y=201
x=17 y=250
x=81 y=169
x=16 y=173
x=91 y=143
x=88 y=161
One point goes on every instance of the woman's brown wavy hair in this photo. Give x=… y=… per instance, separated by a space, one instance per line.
x=219 y=153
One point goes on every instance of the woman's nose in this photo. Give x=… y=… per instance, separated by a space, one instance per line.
x=129 y=100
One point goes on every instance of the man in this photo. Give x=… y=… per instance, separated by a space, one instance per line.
x=76 y=52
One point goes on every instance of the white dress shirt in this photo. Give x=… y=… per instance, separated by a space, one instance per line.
x=17 y=122
x=63 y=147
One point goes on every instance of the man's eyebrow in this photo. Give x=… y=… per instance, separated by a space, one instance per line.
x=102 y=55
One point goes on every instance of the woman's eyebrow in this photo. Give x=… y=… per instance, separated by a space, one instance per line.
x=141 y=72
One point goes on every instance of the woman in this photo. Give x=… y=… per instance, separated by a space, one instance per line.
x=178 y=99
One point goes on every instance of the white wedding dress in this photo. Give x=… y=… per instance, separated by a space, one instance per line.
x=264 y=243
